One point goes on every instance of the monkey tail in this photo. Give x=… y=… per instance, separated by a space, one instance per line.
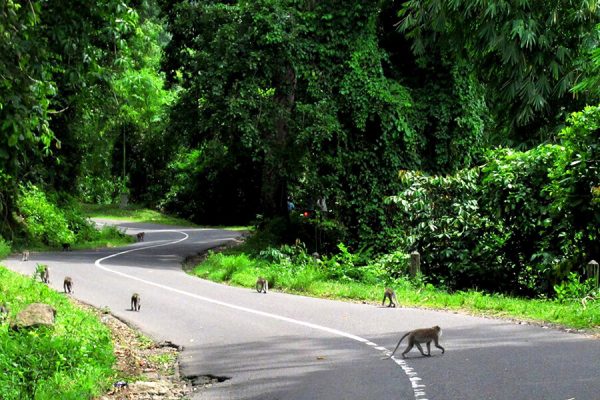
x=398 y=345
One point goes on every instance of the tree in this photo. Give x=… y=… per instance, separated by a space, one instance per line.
x=525 y=51
x=25 y=92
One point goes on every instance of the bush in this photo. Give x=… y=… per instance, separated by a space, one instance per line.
x=83 y=229
x=394 y=264
x=573 y=289
x=319 y=232
x=490 y=228
x=352 y=267
x=44 y=221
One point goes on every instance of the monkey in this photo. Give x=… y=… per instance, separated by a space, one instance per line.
x=66 y=247
x=44 y=274
x=25 y=256
x=140 y=236
x=424 y=335
x=262 y=285
x=391 y=296
x=136 y=303
x=68 y=284
x=3 y=311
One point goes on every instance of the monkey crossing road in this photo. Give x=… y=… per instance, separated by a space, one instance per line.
x=280 y=346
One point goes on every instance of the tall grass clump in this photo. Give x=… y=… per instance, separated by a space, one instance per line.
x=70 y=361
x=220 y=267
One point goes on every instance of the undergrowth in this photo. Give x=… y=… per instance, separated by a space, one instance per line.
x=289 y=269
x=70 y=361
x=131 y=213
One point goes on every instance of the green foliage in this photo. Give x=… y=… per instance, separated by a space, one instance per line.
x=210 y=171
x=395 y=264
x=300 y=267
x=519 y=223
x=4 y=248
x=320 y=232
x=73 y=360
x=309 y=114
x=525 y=52
x=100 y=190
x=26 y=86
x=574 y=189
x=441 y=218
x=53 y=220
x=75 y=79
x=573 y=289
x=589 y=85
x=452 y=115
x=311 y=279
x=130 y=213
x=122 y=118
x=43 y=220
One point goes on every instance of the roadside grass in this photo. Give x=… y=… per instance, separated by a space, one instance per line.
x=72 y=361
x=107 y=236
x=240 y=269
x=132 y=213
x=135 y=213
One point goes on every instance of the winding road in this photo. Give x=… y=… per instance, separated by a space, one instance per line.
x=280 y=346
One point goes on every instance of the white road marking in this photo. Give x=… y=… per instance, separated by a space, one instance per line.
x=418 y=388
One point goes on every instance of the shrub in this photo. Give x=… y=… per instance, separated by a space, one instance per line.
x=352 y=267
x=53 y=219
x=488 y=227
x=44 y=221
x=573 y=288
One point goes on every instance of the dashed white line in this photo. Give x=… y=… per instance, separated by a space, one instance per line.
x=418 y=388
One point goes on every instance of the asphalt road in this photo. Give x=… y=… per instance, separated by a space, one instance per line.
x=278 y=346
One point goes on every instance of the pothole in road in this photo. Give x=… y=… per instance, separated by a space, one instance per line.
x=206 y=380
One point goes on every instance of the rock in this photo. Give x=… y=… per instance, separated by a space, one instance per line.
x=35 y=315
x=151 y=388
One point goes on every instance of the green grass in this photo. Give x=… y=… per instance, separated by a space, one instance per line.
x=133 y=213
x=108 y=236
x=72 y=360
x=242 y=270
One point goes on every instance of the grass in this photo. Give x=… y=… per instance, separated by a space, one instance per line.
x=132 y=213
x=107 y=236
x=72 y=360
x=242 y=270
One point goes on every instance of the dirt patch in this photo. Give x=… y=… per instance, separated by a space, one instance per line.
x=146 y=370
